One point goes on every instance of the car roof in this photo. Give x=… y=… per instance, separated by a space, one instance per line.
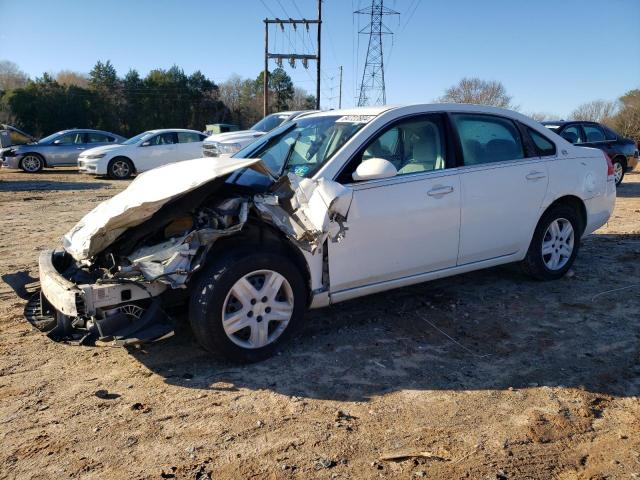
x=426 y=108
x=87 y=130
x=169 y=130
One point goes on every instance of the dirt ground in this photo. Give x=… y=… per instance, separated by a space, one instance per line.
x=487 y=375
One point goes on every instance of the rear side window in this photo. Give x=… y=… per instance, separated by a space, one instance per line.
x=97 y=138
x=488 y=139
x=188 y=137
x=593 y=133
x=610 y=134
x=544 y=146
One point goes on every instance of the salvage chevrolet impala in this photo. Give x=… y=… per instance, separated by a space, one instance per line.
x=331 y=206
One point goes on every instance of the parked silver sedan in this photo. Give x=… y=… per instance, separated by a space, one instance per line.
x=57 y=150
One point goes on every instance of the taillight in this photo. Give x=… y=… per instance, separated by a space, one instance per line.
x=609 y=165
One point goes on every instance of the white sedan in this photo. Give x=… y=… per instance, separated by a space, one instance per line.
x=325 y=208
x=145 y=151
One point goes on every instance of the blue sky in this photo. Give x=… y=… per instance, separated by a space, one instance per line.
x=551 y=55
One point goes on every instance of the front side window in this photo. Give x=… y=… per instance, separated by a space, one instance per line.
x=189 y=137
x=593 y=133
x=572 y=134
x=487 y=139
x=412 y=146
x=544 y=146
x=70 y=139
x=168 y=138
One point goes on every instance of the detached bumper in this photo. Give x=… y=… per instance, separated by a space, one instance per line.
x=97 y=313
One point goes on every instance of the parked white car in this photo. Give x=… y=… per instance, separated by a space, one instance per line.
x=145 y=151
x=329 y=207
x=232 y=142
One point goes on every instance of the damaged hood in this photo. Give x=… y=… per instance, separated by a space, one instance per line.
x=145 y=196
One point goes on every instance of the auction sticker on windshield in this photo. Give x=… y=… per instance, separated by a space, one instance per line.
x=356 y=119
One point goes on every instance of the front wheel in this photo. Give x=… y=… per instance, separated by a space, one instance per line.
x=32 y=163
x=246 y=305
x=555 y=244
x=120 y=168
x=618 y=171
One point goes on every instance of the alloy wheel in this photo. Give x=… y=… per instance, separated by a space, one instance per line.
x=618 y=172
x=557 y=244
x=257 y=309
x=121 y=169
x=31 y=163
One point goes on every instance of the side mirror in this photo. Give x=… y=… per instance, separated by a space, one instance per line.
x=57 y=142
x=145 y=144
x=373 y=169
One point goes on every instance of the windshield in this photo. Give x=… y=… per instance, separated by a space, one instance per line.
x=137 y=138
x=270 y=122
x=50 y=138
x=301 y=147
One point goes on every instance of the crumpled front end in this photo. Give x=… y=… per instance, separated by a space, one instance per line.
x=127 y=262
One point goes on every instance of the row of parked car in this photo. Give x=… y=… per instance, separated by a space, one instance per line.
x=98 y=152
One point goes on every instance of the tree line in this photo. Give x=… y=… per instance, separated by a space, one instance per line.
x=164 y=98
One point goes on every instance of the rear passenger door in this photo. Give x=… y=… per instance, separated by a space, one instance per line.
x=502 y=188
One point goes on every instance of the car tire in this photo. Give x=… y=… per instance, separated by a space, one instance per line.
x=247 y=304
x=120 y=168
x=554 y=247
x=619 y=167
x=32 y=163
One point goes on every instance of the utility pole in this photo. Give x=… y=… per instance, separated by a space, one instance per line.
x=340 y=90
x=291 y=57
x=372 y=88
x=318 y=62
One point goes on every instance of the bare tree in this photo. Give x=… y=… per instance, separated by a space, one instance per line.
x=478 y=91
x=596 y=111
x=231 y=92
x=68 y=78
x=302 y=100
x=627 y=121
x=11 y=76
x=543 y=116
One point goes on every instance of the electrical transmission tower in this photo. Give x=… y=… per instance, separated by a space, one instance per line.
x=372 y=91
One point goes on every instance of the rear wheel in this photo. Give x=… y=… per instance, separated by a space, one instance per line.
x=120 y=168
x=619 y=166
x=32 y=163
x=246 y=305
x=555 y=244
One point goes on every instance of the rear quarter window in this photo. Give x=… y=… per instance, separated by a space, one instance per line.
x=544 y=146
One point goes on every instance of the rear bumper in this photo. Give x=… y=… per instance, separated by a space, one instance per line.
x=600 y=208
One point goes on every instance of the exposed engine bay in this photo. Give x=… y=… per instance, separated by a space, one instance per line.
x=128 y=261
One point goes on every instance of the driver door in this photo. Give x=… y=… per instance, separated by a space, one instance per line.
x=405 y=225
x=66 y=149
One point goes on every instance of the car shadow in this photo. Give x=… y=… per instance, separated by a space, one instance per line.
x=48 y=185
x=491 y=329
x=628 y=189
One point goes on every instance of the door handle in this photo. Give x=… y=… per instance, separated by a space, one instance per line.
x=536 y=176
x=80 y=148
x=440 y=191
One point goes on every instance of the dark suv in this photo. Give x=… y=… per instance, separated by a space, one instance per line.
x=622 y=151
